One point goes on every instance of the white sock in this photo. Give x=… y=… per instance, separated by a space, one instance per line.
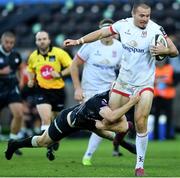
x=93 y=144
x=34 y=141
x=141 y=146
x=13 y=136
x=44 y=127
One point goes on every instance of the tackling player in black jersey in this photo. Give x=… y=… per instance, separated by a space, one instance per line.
x=94 y=115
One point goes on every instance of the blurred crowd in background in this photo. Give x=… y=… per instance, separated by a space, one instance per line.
x=73 y=19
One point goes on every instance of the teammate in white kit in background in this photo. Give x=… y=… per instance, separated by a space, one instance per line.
x=137 y=69
x=99 y=60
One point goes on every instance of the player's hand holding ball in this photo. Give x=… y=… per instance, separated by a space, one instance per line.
x=159 y=47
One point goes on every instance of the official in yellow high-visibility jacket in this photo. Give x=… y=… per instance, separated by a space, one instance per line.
x=47 y=66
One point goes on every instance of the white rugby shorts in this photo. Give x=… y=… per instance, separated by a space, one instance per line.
x=127 y=90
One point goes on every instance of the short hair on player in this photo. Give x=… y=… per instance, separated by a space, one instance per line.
x=8 y=34
x=105 y=23
x=142 y=4
x=43 y=31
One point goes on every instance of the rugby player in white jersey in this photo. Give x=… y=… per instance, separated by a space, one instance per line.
x=99 y=60
x=137 y=68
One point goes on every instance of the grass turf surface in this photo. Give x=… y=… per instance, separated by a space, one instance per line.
x=163 y=159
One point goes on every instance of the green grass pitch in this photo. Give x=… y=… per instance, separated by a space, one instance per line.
x=163 y=159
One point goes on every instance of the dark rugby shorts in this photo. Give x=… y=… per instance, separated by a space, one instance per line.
x=54 y=97
x=60 y=128
x=9 y=96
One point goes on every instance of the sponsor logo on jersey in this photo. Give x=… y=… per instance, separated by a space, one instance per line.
x=103 y=66
x=46 y=72
x=132 y=43
x=132 y=49
x=105 y=61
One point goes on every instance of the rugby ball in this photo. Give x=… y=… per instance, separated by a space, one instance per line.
x=159 y=39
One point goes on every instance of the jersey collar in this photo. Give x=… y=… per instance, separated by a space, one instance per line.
x=50 y=49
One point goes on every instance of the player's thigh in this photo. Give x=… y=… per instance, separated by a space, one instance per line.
x=15 y=103
x=144 y=105
x=117 y=100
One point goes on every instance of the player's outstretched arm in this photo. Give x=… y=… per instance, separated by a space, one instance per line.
x=93 y=36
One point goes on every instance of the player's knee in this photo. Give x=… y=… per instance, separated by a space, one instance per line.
x=140 y=125
x=141 y=118
x=18 y=116
x=123 y=128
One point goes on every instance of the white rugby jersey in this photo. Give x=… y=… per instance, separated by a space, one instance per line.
x=137 y=66
x=100 y=62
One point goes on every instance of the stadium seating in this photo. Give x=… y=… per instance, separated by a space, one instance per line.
x=75 y=18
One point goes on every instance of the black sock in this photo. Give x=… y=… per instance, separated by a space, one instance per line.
x=24 y=142
x=120 y=135
x=116 y=147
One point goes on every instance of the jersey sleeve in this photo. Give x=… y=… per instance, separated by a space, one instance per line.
x=15 y=60
x=163 y=31
x=99 y=100
x=84 y=52
x=115 y=28
x=65 y=58
x=30 y=64
x=159 y=30
x=20 y=58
